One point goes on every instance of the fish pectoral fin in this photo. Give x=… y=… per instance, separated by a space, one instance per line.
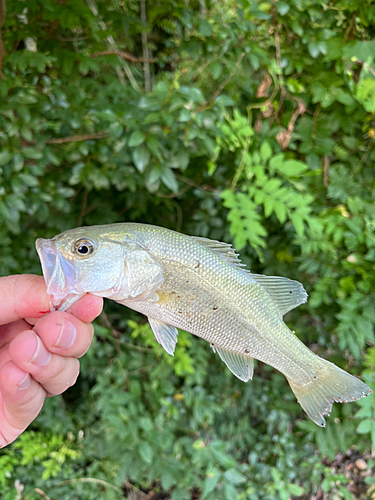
x=165 y=334
x=241 y=366
x=286 y=294
x=143 y=275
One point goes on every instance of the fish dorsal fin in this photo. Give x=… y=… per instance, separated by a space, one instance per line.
x=165 y=334
x=241 y=366
x=286 y=294
x=224 y=250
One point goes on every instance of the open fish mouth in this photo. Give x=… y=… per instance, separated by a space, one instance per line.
x=59 y=275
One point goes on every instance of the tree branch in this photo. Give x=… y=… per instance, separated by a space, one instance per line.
x=204 y=187
x=326 y=171
x=146 y=64
x=124 y=55
x=2 y=19
x=173 y=195
x=78 y=138
x=222 y=86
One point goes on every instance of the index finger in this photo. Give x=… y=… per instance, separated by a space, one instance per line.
x=22 y=296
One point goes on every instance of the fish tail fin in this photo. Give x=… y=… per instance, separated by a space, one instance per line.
x=329 y=384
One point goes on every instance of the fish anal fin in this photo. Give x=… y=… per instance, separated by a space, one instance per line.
x=241 y=366
x=329 y=384
x=286 y=294
x=223 y=250
x=165 y=334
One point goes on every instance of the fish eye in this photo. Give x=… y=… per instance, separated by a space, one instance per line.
x=83 y=247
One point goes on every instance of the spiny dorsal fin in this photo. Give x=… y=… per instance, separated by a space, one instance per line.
x=241 y=366
x=224 y=250
x=286 y=294
x=165 y=334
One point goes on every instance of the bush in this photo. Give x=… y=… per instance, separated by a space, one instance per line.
x=252 y=123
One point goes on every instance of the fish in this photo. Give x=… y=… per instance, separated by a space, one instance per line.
x=200 y=286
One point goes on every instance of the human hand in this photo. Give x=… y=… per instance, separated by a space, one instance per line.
x=39 y=361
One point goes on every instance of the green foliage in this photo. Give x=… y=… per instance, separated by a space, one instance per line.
x=258 y=129
x=367 y=412
x=46 y=452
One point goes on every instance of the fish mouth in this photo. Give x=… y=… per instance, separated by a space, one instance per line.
x=59 y=275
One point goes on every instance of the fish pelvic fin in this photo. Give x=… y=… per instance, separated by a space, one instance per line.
x=241 y=366
x=165 y=334
x=330 y=384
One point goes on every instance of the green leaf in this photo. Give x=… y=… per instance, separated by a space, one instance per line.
x=32 y=153
x=366 y=94
x=212 y=478
x=295 y=489
x=233 y=476
x=179 y=160
x=364 y=327
x=313 y=49
x=167 y=478
x=322 y=47
x=292 y=168
x=230 y=491
x=280 y=211
x=169 y=179
x=245 y=220
x=217 y=449
x=5 y=157
x=26 y=133
x=365 y=426
x=204 y=28
x=362 y=50
x=184 y=116
x=136 y=138
x=282 y=8
x=24 y=113
x=26 y=98
x=151 y=103
x=141 y=157
x=18 y=162
x=192 y=93
x=154 y=174
x=265 y=151
x=4 y=212
x=276 y=162
x=28 y=180
x=66 y=192
x=297 y=28
x=297 y=222
x=146 y=451
x=344 y=97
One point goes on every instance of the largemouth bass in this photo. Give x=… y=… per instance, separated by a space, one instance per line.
x=200 y=286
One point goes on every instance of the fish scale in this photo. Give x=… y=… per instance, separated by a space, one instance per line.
x=212 y=277
x=200 y=286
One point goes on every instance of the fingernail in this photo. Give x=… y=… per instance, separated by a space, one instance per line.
x=67 y=335
x=24 y=384
x=41 y=356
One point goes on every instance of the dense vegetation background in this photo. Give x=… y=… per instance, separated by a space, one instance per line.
x=245 y=121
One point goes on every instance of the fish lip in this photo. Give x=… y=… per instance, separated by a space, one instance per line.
x=59 y=274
